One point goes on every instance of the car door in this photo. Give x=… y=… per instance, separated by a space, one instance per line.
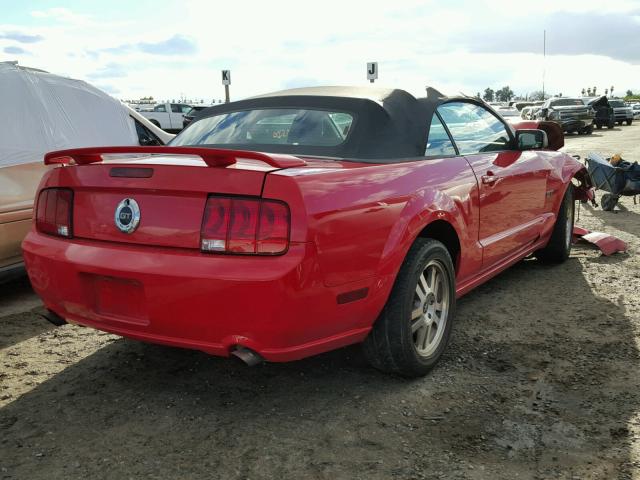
x=511 y=183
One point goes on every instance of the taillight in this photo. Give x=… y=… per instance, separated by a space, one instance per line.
x=53 y=212
x=245 y=226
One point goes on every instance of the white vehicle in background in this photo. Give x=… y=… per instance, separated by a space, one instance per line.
x=510 y=114
x=168 y=116
x=42 y=112
x=525 y=113
x=635 y=108
x=148 y=132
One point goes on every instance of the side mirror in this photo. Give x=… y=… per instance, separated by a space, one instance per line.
x=531 y=139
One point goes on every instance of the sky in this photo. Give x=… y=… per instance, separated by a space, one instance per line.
x=173 y=49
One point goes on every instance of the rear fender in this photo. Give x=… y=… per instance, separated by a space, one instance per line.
x=418 y=213
x=415 y=217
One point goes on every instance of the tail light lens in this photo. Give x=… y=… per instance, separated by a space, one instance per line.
x=245 y=226
x=53 y=212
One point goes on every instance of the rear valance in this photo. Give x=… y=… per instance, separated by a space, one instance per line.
x=213 y=157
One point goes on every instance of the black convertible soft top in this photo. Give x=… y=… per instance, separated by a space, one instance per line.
x=388 y=123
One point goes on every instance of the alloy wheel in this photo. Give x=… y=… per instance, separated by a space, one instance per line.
x=430 y=308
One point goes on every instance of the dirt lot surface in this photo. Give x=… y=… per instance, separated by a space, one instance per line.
x=541 y=381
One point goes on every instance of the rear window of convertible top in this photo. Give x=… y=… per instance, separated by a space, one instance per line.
x=273 y=126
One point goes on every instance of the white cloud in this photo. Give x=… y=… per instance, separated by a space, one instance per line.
x=272 y=45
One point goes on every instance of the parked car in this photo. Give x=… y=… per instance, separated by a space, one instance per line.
x=604 y=116
x=636 y=110
x=167 y=116
x=509 y=113
x=188 y=117
x=43 y=112
x=148 y=133
x=520 y=105
x=531 y=112
x=315 y=218
x=622 y=112
x=571 y=113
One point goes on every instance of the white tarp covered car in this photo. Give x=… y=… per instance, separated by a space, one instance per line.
x=42 y=112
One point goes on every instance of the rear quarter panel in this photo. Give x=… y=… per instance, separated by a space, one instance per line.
x=364 y=217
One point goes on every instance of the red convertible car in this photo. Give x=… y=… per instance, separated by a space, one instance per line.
x=294 y=223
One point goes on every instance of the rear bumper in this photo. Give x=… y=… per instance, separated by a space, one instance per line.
x=277 y=306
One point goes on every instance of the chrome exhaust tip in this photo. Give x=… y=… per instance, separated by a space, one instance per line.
x=247 y=355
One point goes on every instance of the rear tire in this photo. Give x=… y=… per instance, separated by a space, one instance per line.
x=414 y=327
x=155 y=122
x=629 y=122
x=559 y=246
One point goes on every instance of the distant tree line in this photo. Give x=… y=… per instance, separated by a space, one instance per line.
x=632 y=96
x=502 y=95
x=505 y=94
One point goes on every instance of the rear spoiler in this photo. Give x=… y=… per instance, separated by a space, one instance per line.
x=213 y=157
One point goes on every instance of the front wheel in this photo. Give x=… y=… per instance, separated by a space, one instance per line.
x=629 y=122
x=559 y=246
x=414 y=327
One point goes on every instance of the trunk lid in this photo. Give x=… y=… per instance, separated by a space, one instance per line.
x=170 y=192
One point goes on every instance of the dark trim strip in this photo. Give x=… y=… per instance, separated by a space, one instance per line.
x=352 y=296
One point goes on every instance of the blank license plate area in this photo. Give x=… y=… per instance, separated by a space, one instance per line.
x=120 y=299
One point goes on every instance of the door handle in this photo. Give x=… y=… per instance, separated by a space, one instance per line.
x=489 y=178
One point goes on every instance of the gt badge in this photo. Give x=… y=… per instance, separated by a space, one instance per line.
x=127 y=215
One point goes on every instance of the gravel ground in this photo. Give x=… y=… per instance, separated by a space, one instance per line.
x=540 y=382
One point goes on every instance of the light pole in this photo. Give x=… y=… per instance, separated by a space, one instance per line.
x=544 y=58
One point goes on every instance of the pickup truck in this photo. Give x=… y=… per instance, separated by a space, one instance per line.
x=571 y=113
x=167 y=116
x=622 y=112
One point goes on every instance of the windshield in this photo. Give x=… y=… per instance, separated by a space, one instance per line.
x=616 y=103
x=567 y=102
x=274 y=126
